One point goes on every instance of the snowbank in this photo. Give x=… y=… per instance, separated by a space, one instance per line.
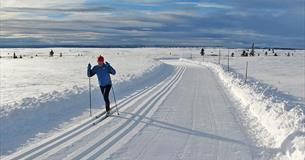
x=274 y=121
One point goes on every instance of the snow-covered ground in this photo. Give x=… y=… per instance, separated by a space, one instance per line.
x=39 y=94
x=271 y=100
x=42 y=95
x=285 y=74
x=39 y=79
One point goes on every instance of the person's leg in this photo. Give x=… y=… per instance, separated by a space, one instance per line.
x=106 y=97
x=103 y=90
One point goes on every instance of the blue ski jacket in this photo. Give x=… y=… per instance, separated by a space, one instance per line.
x=103 y=73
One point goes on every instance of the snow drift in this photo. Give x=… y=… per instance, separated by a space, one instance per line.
x=276 y=122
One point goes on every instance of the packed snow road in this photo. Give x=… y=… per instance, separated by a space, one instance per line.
x=186 y=116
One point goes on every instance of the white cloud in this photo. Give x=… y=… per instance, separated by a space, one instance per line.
x=232 y=31
x=40 y=3
x=238 y=13
x=60 y=21
x=213 y=5
x=206 y=5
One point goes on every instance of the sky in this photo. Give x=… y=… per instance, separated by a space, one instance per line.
x=224 y=23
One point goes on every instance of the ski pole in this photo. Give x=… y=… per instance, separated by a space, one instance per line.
x=116 y=106
x=90 y=95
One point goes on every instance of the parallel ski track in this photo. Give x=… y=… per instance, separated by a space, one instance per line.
x=97 y=150
x=52 y=142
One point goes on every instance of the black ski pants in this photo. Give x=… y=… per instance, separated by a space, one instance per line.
x=105 y=91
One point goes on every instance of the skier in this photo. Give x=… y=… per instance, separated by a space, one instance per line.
x=202 y=52
x=14 y=56
x=103 y=71
x=51 y=53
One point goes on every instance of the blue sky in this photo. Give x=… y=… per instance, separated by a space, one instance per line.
x=228 y=23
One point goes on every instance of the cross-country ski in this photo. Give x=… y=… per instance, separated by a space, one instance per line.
x=102 y=117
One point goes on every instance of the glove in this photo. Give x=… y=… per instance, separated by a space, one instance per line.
x=89 y=70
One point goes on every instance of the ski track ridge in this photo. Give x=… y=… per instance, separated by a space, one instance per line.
x=71 y=132
x=120 y=132
x=81 y=135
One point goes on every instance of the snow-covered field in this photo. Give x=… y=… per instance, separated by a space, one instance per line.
x=45 y=94
x=285 y=74
x=38 y=79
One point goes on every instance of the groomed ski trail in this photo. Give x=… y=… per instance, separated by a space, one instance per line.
x=58 y=147
x=195 y=122
x=186 y=116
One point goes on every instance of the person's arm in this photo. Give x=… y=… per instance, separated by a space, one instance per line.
x=111 y=70
x=91 y=72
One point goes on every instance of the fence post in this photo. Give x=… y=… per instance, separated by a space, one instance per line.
x=246 y=71
x=219 y=56
x=228 y=61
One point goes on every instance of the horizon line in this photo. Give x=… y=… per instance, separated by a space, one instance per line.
x=142 y=46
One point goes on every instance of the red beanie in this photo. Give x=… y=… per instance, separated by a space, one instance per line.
x=100 y=59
